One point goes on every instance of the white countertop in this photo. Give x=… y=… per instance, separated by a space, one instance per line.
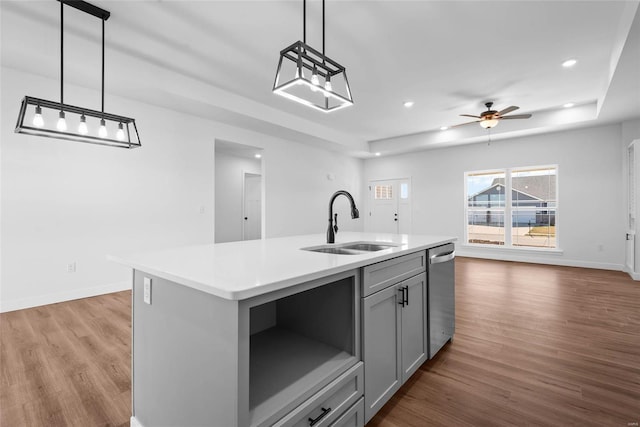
x=240 y=270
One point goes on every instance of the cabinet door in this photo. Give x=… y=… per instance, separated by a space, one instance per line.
x=414 y=325
x=381 y=348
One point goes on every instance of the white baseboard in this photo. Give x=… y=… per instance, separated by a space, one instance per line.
x=135 y=423
x=22 y=303
x=633 y=274
x=551 y=259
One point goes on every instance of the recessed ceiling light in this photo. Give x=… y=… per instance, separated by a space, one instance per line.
x=569 y=63
x=568 y=105
x=444 y=128
x=378 y=153
x=408 y=104
x=257 y=155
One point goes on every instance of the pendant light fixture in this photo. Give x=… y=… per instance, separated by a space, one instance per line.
x=63 y=121
x=310 y=77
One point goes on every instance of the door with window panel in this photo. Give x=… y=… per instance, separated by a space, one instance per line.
x=390 y=206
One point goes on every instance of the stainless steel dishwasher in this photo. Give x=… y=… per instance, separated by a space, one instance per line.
x=441 y=296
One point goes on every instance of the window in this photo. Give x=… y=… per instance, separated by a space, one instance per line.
x=404 y=190
x=512 y=207
x=486 y=208
x=383 y=192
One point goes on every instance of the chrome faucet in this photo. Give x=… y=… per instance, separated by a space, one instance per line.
x=333 y=226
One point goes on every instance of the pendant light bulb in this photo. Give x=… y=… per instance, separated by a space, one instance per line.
x=62 y=122
x=327 y=84
x=299 y=69
x=38 y=121
x=102 y=132
x=314 y=76
x=82 y=127
x=120 y=133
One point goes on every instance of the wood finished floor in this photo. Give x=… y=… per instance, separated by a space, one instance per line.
x=534 y=345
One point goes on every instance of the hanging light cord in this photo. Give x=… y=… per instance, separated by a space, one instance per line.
x=103 y=65
x=323 y=29
x=61 y=51
x=304 y=21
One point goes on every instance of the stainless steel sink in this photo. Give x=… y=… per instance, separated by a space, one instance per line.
x=352 y=248
x=369 y=247
x=340 y=251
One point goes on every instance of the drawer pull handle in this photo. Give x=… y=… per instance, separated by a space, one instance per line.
x=314 y=421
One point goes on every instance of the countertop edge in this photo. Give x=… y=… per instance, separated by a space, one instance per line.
x=243 y=294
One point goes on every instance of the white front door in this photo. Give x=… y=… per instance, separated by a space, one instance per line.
x=252 y=207
x=390 y=206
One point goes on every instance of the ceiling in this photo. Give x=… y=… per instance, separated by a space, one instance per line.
x=217 y=59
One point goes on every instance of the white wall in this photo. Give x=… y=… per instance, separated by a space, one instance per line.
x=63 y=201
x=590 y=190
x=299 y=183
x=229 y=172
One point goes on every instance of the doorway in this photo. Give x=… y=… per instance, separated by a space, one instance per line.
x=631 y=261
x=252 y=206
x=390 y=206
x=239 y=192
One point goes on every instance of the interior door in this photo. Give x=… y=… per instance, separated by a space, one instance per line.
x=252 y=207
x=631 y=201
x=390 y=206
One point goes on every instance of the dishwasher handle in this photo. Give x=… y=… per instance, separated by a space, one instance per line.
x=438 y=258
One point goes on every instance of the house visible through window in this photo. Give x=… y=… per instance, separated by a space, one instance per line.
x=512 y=207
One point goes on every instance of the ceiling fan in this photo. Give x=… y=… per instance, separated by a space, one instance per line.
x=491 y=118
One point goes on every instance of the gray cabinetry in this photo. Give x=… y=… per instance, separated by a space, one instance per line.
x=413 y=325
x=386 y=273
x=354 y=417
x=394 y=331
x=279 y=357
x=381 y=348
x=327 y=406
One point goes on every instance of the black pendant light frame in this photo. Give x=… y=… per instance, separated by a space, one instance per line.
x=126 y=131
x=304 y=57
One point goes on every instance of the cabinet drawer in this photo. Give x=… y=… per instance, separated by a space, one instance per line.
x=332 y=401
x=376 y=277
x=354 y=417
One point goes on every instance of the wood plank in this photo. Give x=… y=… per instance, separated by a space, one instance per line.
x=534 y=345
x=67 y=364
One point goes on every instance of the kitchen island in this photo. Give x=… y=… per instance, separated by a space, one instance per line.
x=262 y=332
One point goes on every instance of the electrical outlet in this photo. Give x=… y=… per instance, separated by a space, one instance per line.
x=202 y=209
x=600 y=248
x=71 y=267
x=147 y=290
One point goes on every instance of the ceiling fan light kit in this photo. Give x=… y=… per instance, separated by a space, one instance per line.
x=311 y=78
x=63 y=121
x=488 y=123
x=490 y=118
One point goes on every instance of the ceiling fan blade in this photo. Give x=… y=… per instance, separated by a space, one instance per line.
x=507 y=110
x=469 y=115
x=517 y=116
x=463 y=124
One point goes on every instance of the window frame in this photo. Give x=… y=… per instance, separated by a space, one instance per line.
x=508 y=209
